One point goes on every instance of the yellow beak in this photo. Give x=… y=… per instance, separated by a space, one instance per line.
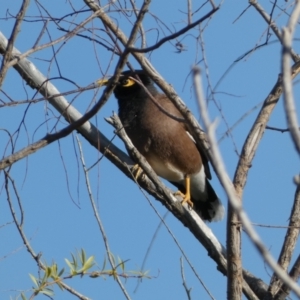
x=102 y=82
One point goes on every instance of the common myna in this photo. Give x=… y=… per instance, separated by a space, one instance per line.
x=165 y=142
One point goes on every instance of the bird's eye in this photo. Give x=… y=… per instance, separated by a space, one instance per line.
x=127 y=82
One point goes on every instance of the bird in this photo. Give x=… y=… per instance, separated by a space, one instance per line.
x=156 y=128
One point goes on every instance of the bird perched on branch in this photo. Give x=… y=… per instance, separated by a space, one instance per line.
x=157 y=129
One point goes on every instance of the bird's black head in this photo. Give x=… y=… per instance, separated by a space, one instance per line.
x=133 y=84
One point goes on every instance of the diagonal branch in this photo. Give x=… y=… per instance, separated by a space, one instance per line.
x=205 y=236
x=188 y=218
x=198 y=134
x=294 y=273
x=289 y=243
x=26 y=242
x=9 y=48
x=292 y=120
x=65 y=37
x=174 y=35
x=273 y=26
x=233 y=197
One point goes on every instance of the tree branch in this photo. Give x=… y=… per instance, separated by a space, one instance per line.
x=35 y=256
x=10 y=44
x=289 y=244
x=189 y=218
x=234 y=197
x=174 y=35
x=273 y=25
x=294 y=273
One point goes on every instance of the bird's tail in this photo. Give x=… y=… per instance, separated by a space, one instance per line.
x=208 y=207
x=211 y=209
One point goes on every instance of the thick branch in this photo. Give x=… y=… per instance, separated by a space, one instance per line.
x=295 y=273
x=289 y=243
x=214 y=248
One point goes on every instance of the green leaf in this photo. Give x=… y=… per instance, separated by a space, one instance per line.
x=54 y=269
x=71 y=266
x=23 y=296
x=74 y=262
x=89 y=263
x=47 y=292
x=83 y=257
x=121 y=264
x=61 y=272
x=34 y=280
x=104 y=264
x=48 y=272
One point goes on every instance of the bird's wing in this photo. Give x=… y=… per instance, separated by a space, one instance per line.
x=170 y=108
x=202 y=154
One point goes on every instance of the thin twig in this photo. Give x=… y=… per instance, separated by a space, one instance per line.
x=27 y=244
x=272 y=24
x=189 y=218
x=9 y=48
x=100 y=225
x=66 y=37
x=187 y=290
x=174 y=35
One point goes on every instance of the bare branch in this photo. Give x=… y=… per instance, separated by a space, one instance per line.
x=187 y=290
x=67 y=36
x=36 y=79
x=234 y=280
x=121 y=160
x=291 y=115
x=9 y=48
x=100 y=225
x=282 y=130
x=289 y=103
x=174 y=35
x=233 y=196
x=294 y=273
x=188 y=217
x=289 y=244
x=26 y=242
x=272 y=24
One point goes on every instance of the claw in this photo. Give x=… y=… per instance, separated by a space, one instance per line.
x=136 y=171
x=187 y=196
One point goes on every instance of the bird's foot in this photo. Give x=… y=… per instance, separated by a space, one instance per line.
x=136 y=171
x=186 y=198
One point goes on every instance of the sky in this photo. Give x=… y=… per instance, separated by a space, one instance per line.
x=58 y=215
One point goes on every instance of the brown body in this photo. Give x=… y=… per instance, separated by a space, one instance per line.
x=156 y=139
x=165 y=142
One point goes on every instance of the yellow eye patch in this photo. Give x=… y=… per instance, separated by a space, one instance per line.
x=127 y=82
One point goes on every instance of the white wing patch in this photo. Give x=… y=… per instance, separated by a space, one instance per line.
x=191 y=137
x=198 y=185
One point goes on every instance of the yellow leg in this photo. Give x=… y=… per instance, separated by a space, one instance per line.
x=136 y=171
x=187 y=196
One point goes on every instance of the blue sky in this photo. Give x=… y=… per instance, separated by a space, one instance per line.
x=58 y=215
